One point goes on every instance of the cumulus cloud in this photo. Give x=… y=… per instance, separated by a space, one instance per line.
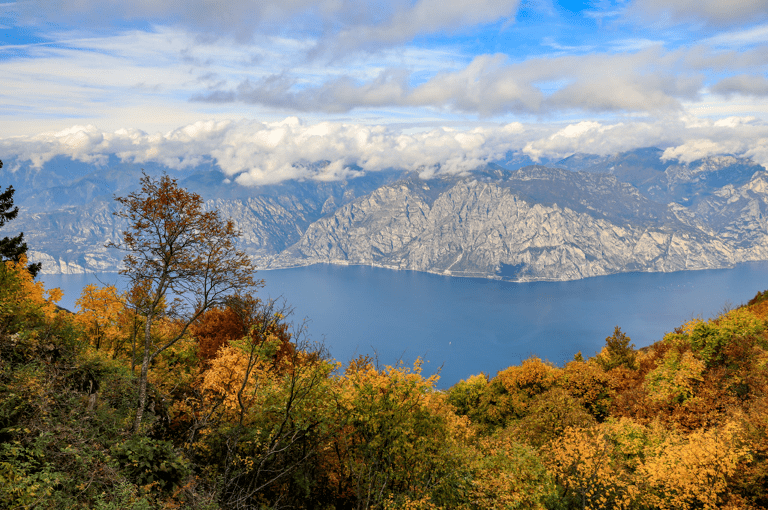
x=740 y=136
x=684 y=138
x=254 y=153
x=604 y=138
x=260 y=153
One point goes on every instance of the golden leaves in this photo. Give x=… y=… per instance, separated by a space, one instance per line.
x=587 y=463
x=622 y=464
x=508 y=475
x=99 y=313
x=227 y=375
x=29 y=291
x=691 y=471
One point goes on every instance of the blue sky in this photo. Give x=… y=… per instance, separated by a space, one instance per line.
x=261 y=86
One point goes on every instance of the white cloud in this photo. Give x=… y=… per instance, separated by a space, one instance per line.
x=268 y=152
x=145 y=79
x=683 y=137
x=241 y=18
x=740 y=136
x=272 y=152
x=150 y=77
x=698 y=149
x=596 y=138
x=423 y=17
x=739 y=38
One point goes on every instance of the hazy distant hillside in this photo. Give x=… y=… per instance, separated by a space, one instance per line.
x=582 y=216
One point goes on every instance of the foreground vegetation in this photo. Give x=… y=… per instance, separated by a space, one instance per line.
x=243 y=414
x=189 y=392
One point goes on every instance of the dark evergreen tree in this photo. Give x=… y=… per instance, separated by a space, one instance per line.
x=12 y=248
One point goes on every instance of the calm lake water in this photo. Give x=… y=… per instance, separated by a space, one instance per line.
x=471 y=325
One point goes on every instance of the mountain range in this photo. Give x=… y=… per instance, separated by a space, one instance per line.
x=585 y=215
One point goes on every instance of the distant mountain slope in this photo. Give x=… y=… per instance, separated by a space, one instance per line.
x=476 y=228
x=585 y=215
x=672 y=181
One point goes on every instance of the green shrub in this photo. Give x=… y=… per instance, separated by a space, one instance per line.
x=151 y=463
x=709 y=339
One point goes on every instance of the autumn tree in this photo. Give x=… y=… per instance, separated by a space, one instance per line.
x=12 y=248
x=23 y=302
x=243 y=316
x=258 y=419
x=589 y=467
x=99 y=309
x=510 y=394
x=682 y=472
x=181 y=254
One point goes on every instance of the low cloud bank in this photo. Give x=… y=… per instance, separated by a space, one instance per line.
x=264 y=153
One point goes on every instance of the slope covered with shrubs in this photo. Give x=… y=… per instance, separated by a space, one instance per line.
x=244 y=413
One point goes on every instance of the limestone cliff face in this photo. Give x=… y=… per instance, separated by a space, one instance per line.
x=476 y=228
x=631 y=212
x=72 y=239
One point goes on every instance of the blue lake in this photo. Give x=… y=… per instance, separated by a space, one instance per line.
x=465 y=326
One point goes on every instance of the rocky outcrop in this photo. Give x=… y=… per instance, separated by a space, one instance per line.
x=477 y=228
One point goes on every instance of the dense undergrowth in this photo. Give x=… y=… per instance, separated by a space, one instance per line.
x=244 y=414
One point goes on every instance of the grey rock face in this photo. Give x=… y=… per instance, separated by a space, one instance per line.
x=72 y=239
x=630 y=212
x=475 y=228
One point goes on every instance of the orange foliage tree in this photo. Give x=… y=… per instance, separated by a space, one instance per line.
x=588 y=465
x=241 y=316
x=177 y=252
x=687 y=472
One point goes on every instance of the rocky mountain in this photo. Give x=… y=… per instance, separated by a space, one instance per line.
x=583 y=216
x=532 y=224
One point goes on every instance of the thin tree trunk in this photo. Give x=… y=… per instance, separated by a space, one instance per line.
x=142 y=400
x=133 y=344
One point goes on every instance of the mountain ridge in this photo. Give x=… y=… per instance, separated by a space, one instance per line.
x=583 y=216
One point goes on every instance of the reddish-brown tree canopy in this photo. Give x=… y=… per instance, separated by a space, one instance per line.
x=179 y=249
x=181 y=255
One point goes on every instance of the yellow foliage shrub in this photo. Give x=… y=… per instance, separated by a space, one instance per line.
x=687 y=472
x=508 y=475
x=28 y=292
x=588 y=465
x=229 y=380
